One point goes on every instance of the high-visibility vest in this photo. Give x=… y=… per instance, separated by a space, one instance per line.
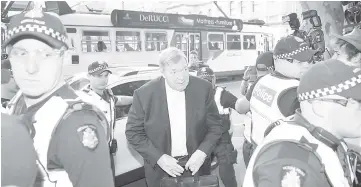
x=46 y=120
x=264 y=103
x=293 y=133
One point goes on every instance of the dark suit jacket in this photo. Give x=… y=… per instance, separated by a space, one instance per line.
x=148 y=126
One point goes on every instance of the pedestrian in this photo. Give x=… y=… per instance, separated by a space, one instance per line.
x=98 y=94
x=309 y=150
x=68 y=134
x=194 y=63
x=174 y=120
x=225 y=153
x=348 y=48
x=18 y=156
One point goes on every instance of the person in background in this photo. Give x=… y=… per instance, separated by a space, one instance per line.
x=98 y=94
x=174 y=121
x=194 y=63
x=348 y=48
x=8 y=85
x=18 y=155
x=309 y=149
x=224 y=151
x=69 y=135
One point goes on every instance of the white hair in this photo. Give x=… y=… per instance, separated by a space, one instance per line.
x=171 y=55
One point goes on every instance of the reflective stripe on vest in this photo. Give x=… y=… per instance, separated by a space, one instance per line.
x=94 y=99
x=217 y=98
x=46 y=120
x=293 y=133
x=264 y=103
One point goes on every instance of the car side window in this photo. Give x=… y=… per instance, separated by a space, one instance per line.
x=126 y=89
x=79 y=84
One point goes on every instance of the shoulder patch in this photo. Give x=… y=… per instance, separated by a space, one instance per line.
x=292 y=176
x=88 y=136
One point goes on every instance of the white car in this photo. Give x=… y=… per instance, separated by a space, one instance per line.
x=128 y=163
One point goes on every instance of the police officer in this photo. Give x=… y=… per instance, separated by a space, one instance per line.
x=97 y=94
x=68 y=134
x=264 y=65
x=225 y=152
x=274 y=96
x=18 y=156
x=309 y=149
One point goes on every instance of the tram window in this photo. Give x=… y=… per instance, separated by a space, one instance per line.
x=128 y=41
x=96 y=41
x=249 y=42
x=155 y=41
x=215 y=42
x=233 y=42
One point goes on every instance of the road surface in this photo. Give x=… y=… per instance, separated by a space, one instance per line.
x=237 y=139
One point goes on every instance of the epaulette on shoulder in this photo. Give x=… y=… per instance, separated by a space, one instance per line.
x=80 y=105
x=110 y=92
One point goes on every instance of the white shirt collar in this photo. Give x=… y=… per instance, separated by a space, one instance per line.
x=171 y=90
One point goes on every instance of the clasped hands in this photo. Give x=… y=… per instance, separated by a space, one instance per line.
x=170 y=165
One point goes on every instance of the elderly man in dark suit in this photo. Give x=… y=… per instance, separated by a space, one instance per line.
x=174 y=119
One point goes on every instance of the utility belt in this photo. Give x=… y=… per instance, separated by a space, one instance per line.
x=113 y=146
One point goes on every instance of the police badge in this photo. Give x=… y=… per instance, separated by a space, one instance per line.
x=88 y=136
x=292 y=176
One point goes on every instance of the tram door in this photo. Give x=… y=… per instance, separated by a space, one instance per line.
x=189 y=42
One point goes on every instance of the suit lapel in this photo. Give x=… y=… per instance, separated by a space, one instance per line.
x=190 y=101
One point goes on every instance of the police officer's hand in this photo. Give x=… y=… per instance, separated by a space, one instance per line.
x=195 y=161
x=169 y=165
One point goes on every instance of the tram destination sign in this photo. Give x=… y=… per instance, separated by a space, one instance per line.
x=123 y=18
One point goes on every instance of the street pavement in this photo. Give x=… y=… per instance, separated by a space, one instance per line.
x=237 y=138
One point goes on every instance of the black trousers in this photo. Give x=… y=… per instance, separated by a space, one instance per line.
x=226 y=156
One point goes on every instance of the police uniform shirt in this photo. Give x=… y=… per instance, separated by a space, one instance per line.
x=287 y=103
x=85 y=166
x=106 y=96
x=287 y=163
x=18 y=156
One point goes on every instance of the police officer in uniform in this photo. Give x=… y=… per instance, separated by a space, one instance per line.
x=225 y=152
x=18 y=156
x=69 y=135
x=97 y=94
x=309 y=150
x=274 y=96
x=264 y=66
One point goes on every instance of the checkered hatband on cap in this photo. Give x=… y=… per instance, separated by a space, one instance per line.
x=288 y=55
x=346 y=85
x=36 y=28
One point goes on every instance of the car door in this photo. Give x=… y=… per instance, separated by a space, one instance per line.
x=126 y=158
